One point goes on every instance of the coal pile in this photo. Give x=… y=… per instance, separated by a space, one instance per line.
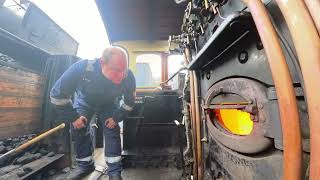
x=16 y=161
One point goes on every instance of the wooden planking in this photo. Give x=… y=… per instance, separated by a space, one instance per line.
x=19 y=102
x=20 y=89
x=12 y=116
x=13 y=75
x=21 y=96
x=22 y=122
x=21 y=129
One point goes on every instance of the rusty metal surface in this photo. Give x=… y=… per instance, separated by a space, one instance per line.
x=307 y=43
x=313 y=7
x=285 y=92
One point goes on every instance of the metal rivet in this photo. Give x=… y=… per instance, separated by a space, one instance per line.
x=208 y=75
x=243 y=57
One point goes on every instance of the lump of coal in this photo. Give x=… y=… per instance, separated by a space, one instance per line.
x=66 y=170
x=9 y=148
x=37 y=156
x=51 y=154
x=26 y=158
x=19 y=144
x=43 y=151
x=15 y=140
x=27 y=169
x=23 y=160
x=7 y=169
x=35 y=149
x=52 y=172
x=21 y=173
x=24 y=171
x=2 y=149
x=8 y=141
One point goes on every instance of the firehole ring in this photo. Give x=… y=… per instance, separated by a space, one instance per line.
x=250 y=90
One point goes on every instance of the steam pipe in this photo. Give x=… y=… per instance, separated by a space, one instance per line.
x=284 y=89
x=307 y=44
x=314 y=6
x=196 y=119
x=198 y=126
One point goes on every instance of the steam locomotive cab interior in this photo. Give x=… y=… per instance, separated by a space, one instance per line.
x=221 y=92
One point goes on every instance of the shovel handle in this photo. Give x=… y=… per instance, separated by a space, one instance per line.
x=39 y=137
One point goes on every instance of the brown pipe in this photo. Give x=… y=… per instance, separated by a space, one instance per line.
x=196 y=119
x=307 y=44
x=164 y=64
x=314 y=7
x=198 y=127
x=193 y=115
x=284 y=89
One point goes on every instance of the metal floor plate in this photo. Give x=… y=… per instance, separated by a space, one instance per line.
x=169 y=173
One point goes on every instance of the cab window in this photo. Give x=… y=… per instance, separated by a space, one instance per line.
x=175 y=62
x=148 y=70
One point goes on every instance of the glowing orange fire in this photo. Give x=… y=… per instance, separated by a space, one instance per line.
x=236 y=121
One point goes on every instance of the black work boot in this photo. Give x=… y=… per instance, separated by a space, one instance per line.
x=78 y=173
x=115 y=177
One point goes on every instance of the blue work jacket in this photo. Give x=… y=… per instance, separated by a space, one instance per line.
x=93 y=92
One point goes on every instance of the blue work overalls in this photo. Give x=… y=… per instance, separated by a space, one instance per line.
x=94 y=94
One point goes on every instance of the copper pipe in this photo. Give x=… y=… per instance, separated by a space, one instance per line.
x=284 y=89
x=187 y=55
x=196 y=119
x=307 y=44
x=164 y=64
x=314 y=7
x=198 y=127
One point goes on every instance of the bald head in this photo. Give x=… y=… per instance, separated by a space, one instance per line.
x=114 y=64
x=111 y=51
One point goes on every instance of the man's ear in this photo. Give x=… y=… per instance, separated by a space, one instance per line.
x=102 y=62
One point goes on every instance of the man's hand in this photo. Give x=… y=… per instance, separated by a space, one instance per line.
x=80 y=122
x=110 y=123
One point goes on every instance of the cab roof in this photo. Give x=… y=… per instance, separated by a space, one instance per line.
x=129 y=20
